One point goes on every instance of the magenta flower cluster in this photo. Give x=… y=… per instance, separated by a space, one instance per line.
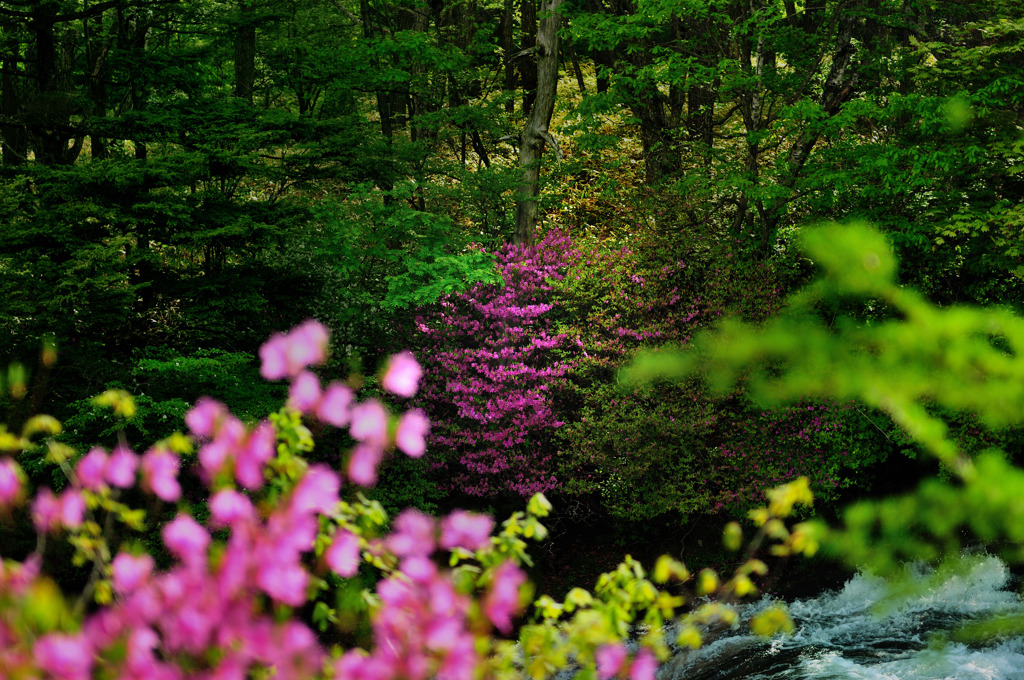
x=509 y=365
x=491 y=369
x=215 y=614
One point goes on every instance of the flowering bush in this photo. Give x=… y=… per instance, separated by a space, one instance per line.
x=491 y=369
x=274 y=536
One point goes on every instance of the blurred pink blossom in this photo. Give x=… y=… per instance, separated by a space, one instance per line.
x=72 y=508
x=10 y=482
x=343 y=556
x=369 y=422
x=304 y=393
x=317 y=491
x=160 y=474
x=129 y=572
x=121 y=466
x=413 y=534
x=186 y=539
x=90 y=469
x=412 y=429
x=64 y=657
x=334 y=407
x=609 y=660
x=362 y=465
x=462 y=529
x=204 y=418
x=644 y=665
x=286 y=355
x=502 y=600
x=227 y=507
x=402 y=374
x=45 y=511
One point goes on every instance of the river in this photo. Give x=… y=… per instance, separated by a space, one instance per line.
x=864 y=631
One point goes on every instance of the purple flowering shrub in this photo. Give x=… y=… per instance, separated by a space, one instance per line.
x=520 y=378
x=493 y=359
x=520 y=384
x=276 y=534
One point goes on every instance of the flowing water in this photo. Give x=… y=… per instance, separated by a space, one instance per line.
x=864 y=631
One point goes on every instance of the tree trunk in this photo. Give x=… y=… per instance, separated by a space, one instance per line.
x=527 y=66
x=535 y=132
x=245 y=52
x=15 y=143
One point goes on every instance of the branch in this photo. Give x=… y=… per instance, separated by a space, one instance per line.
x=523 y=53
x=547 y=137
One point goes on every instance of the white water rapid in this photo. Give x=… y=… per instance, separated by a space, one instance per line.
x=866 y=632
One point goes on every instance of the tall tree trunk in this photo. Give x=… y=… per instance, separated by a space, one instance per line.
x=15 y=143
x=535 y=132
x=528 y=67
x=245 y=52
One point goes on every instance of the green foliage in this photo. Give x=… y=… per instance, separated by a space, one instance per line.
x=907 y=363
x=676 y=449
x=961 y=358
x=430 y=274
x=406 y=483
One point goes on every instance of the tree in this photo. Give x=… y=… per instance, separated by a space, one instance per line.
x=535 y=135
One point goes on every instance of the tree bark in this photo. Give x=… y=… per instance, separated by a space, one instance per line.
x=528 y=68
x=535 y=134
x=245 y=52
x=15 y=143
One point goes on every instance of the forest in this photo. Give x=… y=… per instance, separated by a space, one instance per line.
x=645 y=270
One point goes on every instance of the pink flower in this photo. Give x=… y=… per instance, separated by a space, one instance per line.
x=317 y=491
x=413 y=534
x=369 y=422
x=228 y=507
x=10 y=482
x=186 y=539
x=460 y=662
x=259 y=449
x=412 y=429
x=90 y=469
x=362 y=466
x=462 y=529
x=273 y=357
x=45 y=511
x=160 y=474
x=421 y=571
x=644 y=665
x=402 y=375
x=130 y=571
x=502 y=601
x=120 y=468
x=64 y=657
x=343 y=556
x=352 y=664
x=141 y=661
x=609 y=660
x=72 y=508
x=334 y=407
x=287 y=355
x=307 y=344
x=284 y=581
x=304 y=393
x=205 y=417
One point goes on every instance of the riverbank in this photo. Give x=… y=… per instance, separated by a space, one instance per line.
x=577 y=552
